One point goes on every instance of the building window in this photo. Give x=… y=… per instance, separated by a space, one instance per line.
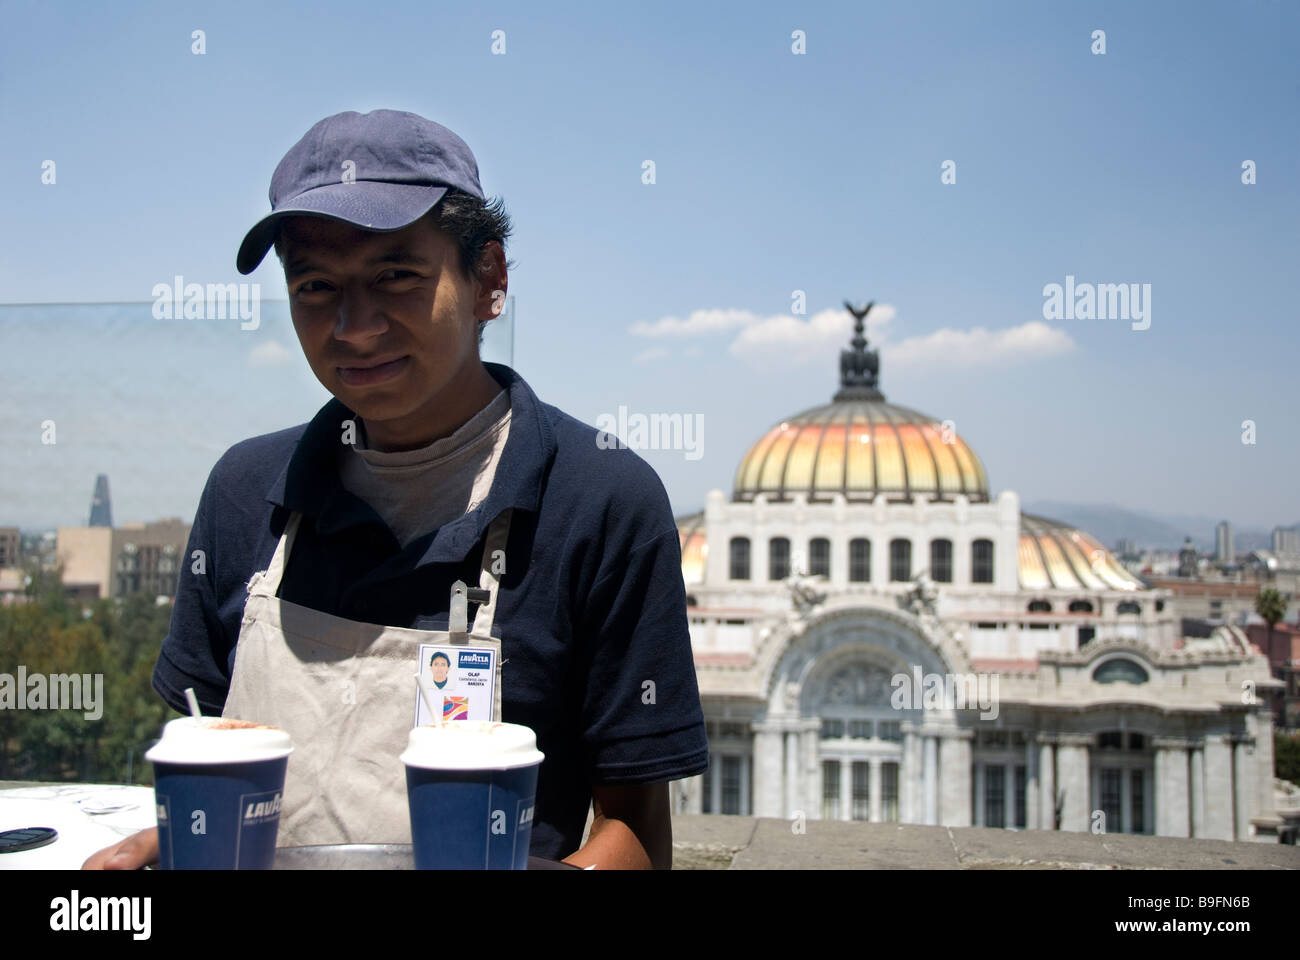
x=1137 y=802
x=819 y=557
x=1110 y=740
x=706 y=786
x=830 y=790
x=740 y=558
x=860 y=560
x=778 y=558
x=1120 y=671
x=859 y=729
x=1022 y=814
x=1160 y=606
x=981 y=561
x=890 y=730
x=731 y=785
x=1087 y=635
x=1080 y=606
x=889 y=792
x=941 y=561
x=1039 y=606
x=1136 y=741
x=832 y=729
x=861 y=791
x=900 y=560
x=1128 y=606
x=1112 y=779
x=995 y=797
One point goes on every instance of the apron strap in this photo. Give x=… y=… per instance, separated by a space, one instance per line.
x=268 y=583
x=497 y=535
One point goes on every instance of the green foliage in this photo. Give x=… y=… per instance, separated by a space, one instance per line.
x=1271 y=605
x=1286 y=756
x=115 y=639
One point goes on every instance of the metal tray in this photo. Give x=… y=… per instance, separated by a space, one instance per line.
x=370 y=856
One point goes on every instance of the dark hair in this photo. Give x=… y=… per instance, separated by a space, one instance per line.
x=436 y=655
x=471 y=224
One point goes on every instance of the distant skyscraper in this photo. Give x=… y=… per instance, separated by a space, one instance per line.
x=101 y=507
x=1286 y=540
x=1223 y=543
x=1187 y=566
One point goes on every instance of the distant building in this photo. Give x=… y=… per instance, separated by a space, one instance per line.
x=135 y=558
x=1286 y=540
x=10 y=547
x=1223 y=552
x=862 y=571
x=1188 y=565
x=101 y=506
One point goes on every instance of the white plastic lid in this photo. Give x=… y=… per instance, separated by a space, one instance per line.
x=187 y=740
x=471 y=745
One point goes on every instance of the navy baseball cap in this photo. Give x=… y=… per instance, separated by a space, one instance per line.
x=381 y=170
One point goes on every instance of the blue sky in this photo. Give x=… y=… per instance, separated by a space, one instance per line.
x=775 y=173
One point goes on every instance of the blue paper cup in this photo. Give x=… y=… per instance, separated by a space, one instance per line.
x=471 y=786
x=218 y=789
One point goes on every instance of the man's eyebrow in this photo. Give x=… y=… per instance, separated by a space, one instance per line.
x=301 y=264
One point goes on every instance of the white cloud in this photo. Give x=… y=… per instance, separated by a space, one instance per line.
x=783 y=340
x=698 y=323
x=978 y=346
x=653 y=353
x=270 y=353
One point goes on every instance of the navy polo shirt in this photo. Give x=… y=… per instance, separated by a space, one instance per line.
x=592 y=603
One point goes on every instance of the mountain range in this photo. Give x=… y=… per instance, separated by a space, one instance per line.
x=1151 y=531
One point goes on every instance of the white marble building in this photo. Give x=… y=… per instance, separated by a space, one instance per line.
x=861 y=558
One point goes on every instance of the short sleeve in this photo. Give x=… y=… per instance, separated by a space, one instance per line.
x=641 y=716
x=195 y=651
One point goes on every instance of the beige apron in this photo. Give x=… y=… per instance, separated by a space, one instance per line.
x=345 y=691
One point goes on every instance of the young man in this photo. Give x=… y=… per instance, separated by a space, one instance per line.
x=330 y=549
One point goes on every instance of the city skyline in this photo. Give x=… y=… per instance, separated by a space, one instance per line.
x=667 y=262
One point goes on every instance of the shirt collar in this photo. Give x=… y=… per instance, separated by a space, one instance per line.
x=310 y=483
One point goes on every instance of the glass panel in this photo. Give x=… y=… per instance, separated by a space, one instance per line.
x=982 y=561
x=1022 y=814
x=920 y=465
x=830 y=790
x=889 y=792
x=860 y=729
x=900 y=560
x=747 y=474
x=799 y=472
x=941 y=561
x=1137 y=802
x=949 y=472
x=819 y=557
x=778 y=558
x=861 y=791
x=740 y=558
x=860 y=561
x=774 y=466
x=861 y=474
x=995 y=797
x=1111 y=784
x=832 y=729
x=889 y=458
x=731 y=785
x=830 y=459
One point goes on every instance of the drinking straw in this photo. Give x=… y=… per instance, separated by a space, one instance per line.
x=194 y=703
x=426 y=693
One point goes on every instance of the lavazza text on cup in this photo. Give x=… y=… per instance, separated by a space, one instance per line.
x=219 y=785
x=471 y=786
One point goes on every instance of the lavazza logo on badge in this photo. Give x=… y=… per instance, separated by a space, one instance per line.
x=478 y=661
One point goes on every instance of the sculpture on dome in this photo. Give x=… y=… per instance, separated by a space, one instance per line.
x=859 y=367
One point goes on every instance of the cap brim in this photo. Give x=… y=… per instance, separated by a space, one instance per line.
x=362 y=203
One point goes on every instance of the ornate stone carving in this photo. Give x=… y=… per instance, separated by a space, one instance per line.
x=859 y=684
x=923 y=598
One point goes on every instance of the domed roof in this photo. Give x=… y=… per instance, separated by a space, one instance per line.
x=860 y=446
x=1054 y=555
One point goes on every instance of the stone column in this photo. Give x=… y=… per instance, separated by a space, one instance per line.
x=875 y=785
x=1031 y=785
x=746 y=802
x=846 y=789
x=931 y=779
x=810 y=756
x=906 y=773
x=954 y=758
x=1072 y=768
x=792 y=778
x=1219 y=798
x=1242 y=781
x=1172 y=809
x=1046 y=781
x=1197 y=789
x=1260 y=725
x=769 y=778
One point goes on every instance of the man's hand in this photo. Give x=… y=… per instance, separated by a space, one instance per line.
x=631 y=829
x=131 y=854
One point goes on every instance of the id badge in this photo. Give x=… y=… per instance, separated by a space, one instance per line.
x=461 y=680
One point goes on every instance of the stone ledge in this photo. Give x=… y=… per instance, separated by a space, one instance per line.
x=745 y=843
